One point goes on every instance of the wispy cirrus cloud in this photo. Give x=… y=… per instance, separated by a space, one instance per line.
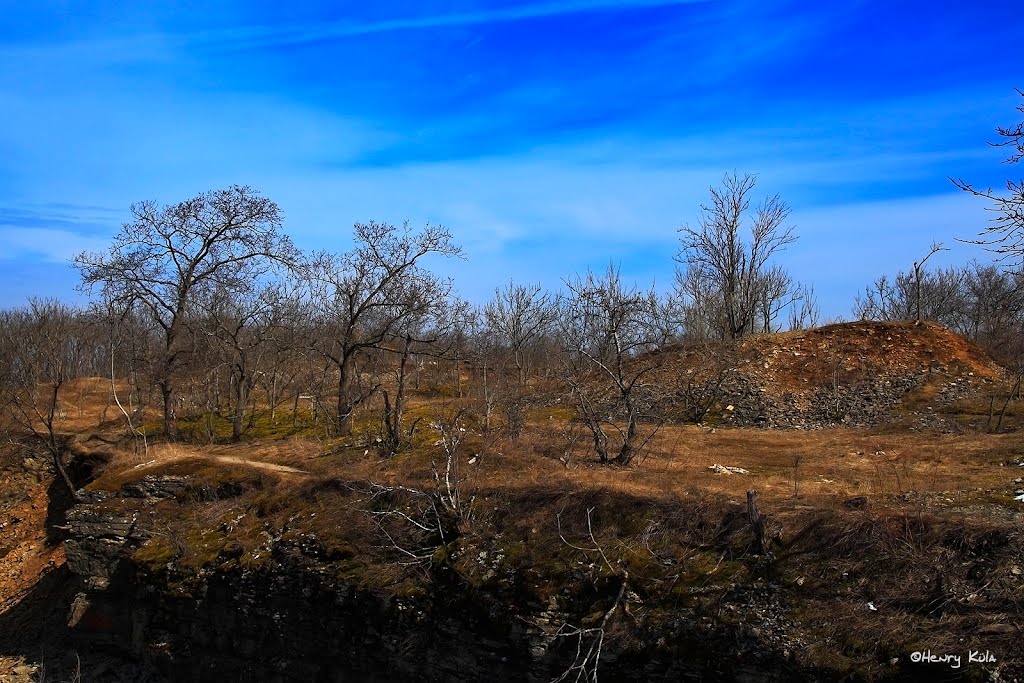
x=51 y=244
x=549 y=135
x=252 y=36
x=263 y=36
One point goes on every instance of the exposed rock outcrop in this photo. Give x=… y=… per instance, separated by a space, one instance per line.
x=293 y=618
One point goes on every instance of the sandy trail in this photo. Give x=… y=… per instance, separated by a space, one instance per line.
x=175 y=453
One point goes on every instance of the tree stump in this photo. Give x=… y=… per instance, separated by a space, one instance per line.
x=756 y=523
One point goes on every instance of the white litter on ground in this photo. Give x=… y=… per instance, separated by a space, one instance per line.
x=725 y=469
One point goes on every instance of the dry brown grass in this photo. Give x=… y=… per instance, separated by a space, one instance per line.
x=939 y=507
x=87 y=403
x=834 y=464
x=824 y=466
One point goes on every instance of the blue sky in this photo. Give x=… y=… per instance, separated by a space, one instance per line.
x=549 y=136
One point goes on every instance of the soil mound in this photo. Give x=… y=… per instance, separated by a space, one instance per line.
x=862 y=349
x=861 y=373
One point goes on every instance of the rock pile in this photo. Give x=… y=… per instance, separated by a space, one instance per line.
x=855 y=374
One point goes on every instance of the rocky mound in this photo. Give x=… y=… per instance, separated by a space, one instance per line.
x=861 y=373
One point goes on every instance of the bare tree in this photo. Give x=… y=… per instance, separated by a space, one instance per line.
x=993 y=313
x=519 y=314
x=369 y=296
x=918 y=268
x=485 y=352
x=734 y=270
x=926 y=295
x=242 y=324
x=418 y=336
x=1005 y=234
x=609 y=337
x=701 y=307
x=126 y=339
x=590 y=640
x=804 y=315
x=38 y=343
x=166 y=256
x=776 y=292
x=700 y=383
x=417 y=522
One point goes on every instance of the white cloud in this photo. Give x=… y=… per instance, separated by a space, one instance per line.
x=55 y=246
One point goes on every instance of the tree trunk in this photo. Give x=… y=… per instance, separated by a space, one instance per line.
x=393 y=414
x=170 y=423
x=56 y=448
x=487 y=401
x=520 y=367
x=1009 y=397
x=58 y=464
x=272 y=390
x=343 y=419
x=756 y=522
x=600 y=439
x=628 y=449
x=343 y=409
x=238 y=418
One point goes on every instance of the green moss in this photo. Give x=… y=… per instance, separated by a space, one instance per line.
x=408 y=588
x=440 y=555
x=705 y=571
x=262 y=425
x=551 y=413
x=642 y=564
x=155 y=554
x=203 y=547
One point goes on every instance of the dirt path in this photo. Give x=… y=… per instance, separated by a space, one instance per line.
x=269 y=466
x=164 y=458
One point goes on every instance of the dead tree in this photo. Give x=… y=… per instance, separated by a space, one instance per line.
x=431 y=337
x=918 y=267
x=122 y=334
x=38 y=345
x=590 y=640
x=756 y=523
x=362 y=299
x=919 y=294
x=167 y=256
x=609 y=338
x=729 y=272
x=1005 y=234
x=417 y=522
x=805 y=314
x=241 y=326
x=517 y=315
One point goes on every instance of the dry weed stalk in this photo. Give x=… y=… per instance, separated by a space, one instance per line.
x=797 y=459
x=448 y=481
x=426 y=522
x=590 y=640
x=437 y=517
